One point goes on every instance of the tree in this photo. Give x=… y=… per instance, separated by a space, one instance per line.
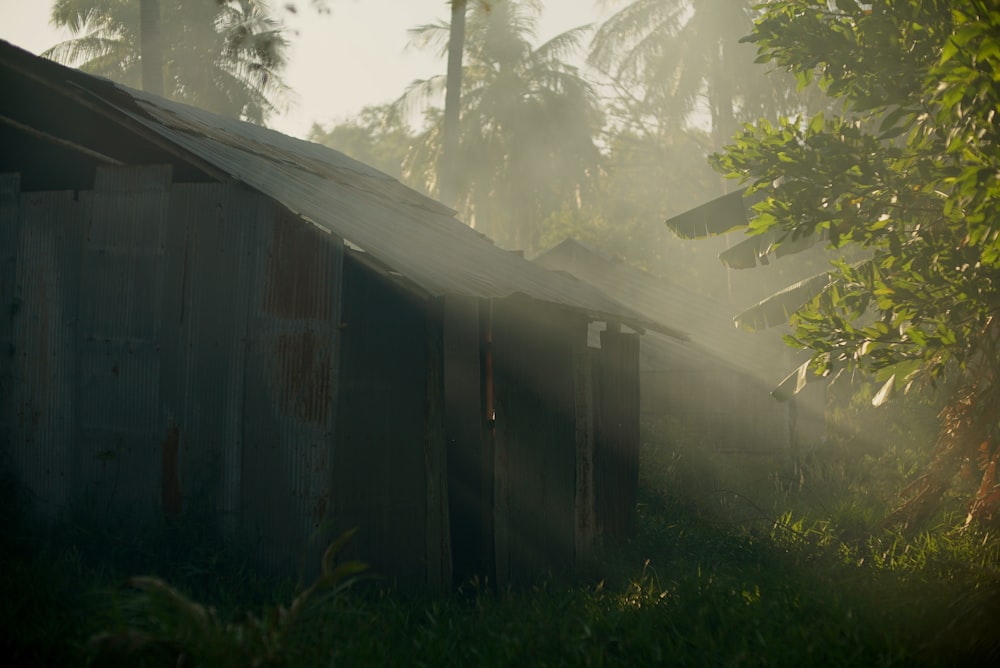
x=677 y=62
x=905 y=184
x=453 y=101
x=225 y=56
x=527 y=124
x=377 y=136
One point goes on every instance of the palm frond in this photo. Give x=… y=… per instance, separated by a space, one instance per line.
x=754 y=250
x=563 y=45
x=776 y=309
x=794 y=382
x=717 y=216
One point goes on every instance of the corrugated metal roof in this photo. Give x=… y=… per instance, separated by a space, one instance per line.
x=707 y=321
x=406 y=231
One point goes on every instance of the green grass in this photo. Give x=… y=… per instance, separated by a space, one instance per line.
x=757 y=577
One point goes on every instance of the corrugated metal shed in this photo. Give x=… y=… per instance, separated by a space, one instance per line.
x=223 y=320
x=412 y=235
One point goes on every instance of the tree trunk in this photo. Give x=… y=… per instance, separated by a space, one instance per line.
x=452 y=101
x=151 y=49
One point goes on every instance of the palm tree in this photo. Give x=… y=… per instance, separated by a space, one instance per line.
x=527 y=125
x=674 y=62
x=225 y=56
x=453 y=100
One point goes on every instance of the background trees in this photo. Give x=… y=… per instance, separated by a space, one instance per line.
x=528 y=122
x=225 y=56
x=906 y=184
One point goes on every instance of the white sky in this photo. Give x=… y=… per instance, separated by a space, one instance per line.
x=340 y=62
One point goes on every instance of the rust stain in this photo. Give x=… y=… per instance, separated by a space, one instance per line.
x=173 y=503
x=302 y=369
x=294 y=283
x=319 y=509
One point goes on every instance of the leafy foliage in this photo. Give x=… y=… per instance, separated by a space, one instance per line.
x=528 y=123
x=377 y=136
x=167 y=628
x=906 y=183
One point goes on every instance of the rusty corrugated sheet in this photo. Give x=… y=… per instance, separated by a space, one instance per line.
x=290 y=389
x=380 y=465
x=121 y=426
x=211 y=242
x=43 y=347
x=412 y=235
x=10 y=196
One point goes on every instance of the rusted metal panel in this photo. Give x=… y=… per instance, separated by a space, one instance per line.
x=43 y=345
x=211 y=244
x=290 y=387
x=121 y=425
x=408 y=232
x=10 y=305
x=616 y=475
x=536 y=438
x=380 y=456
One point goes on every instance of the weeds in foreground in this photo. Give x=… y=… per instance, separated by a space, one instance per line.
x=695 y=587
x=167 y=628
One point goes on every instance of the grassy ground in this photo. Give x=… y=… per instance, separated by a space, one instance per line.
x=720 y=579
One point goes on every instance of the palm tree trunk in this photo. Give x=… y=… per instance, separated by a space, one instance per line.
x=452 y=101
x=151 y=49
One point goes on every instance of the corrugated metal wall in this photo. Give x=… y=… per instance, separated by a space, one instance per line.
x=121 y=270
x=177 y=348
x=10 y=304
x=291 y=385
x=174 y=349
x=616 y=474
x=536 y=436
x=380 y=485
x=211 y=244
x=41 y=399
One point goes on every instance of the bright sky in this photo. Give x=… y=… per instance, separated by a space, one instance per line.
x=355 y=56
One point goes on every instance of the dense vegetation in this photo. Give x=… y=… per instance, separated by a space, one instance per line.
x=903 y=185
x=736 y=561
x=728 y=568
